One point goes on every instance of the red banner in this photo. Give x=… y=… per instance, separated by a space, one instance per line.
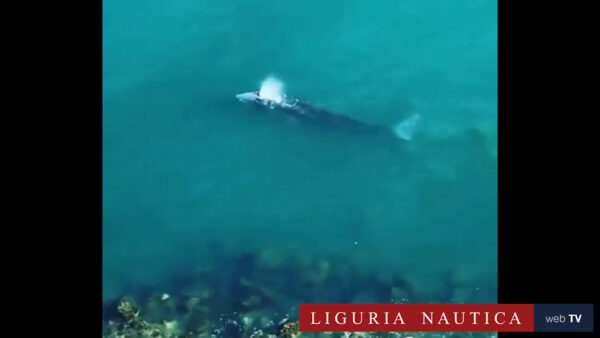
x=416 y=317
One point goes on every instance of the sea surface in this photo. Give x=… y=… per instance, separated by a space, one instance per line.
x=194 y=180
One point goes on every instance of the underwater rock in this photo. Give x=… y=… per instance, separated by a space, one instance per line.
x=196 y=314
x=261 y=334
x=256 y=320
x=253 y=296
x=399 y=295
x=160 y=306
x=135 y=327
x=197 y=321
x=316 y=273
x=357 y=334
x=458 y=335
x=252 y=302
x=130 y=313
x=195 y=300
x=199 y=291
x=194 y=310
x=269 y=260
x=288 y=329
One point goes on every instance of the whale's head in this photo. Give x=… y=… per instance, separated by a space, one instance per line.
x=248 y=97
x=270 y=93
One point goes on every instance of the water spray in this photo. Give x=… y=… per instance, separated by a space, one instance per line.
x=271 y=89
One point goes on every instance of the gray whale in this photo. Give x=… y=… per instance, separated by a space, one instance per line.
x=311 y=114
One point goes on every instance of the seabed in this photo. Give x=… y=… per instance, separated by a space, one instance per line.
x=256 y=295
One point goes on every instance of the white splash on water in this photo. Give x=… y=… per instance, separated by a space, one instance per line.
x=271 y=89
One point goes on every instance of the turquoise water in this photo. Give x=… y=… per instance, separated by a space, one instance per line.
x=188 y=171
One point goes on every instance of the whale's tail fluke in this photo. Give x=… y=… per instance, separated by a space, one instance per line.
x=406 y=128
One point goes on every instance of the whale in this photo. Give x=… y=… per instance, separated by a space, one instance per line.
x=271 y=97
